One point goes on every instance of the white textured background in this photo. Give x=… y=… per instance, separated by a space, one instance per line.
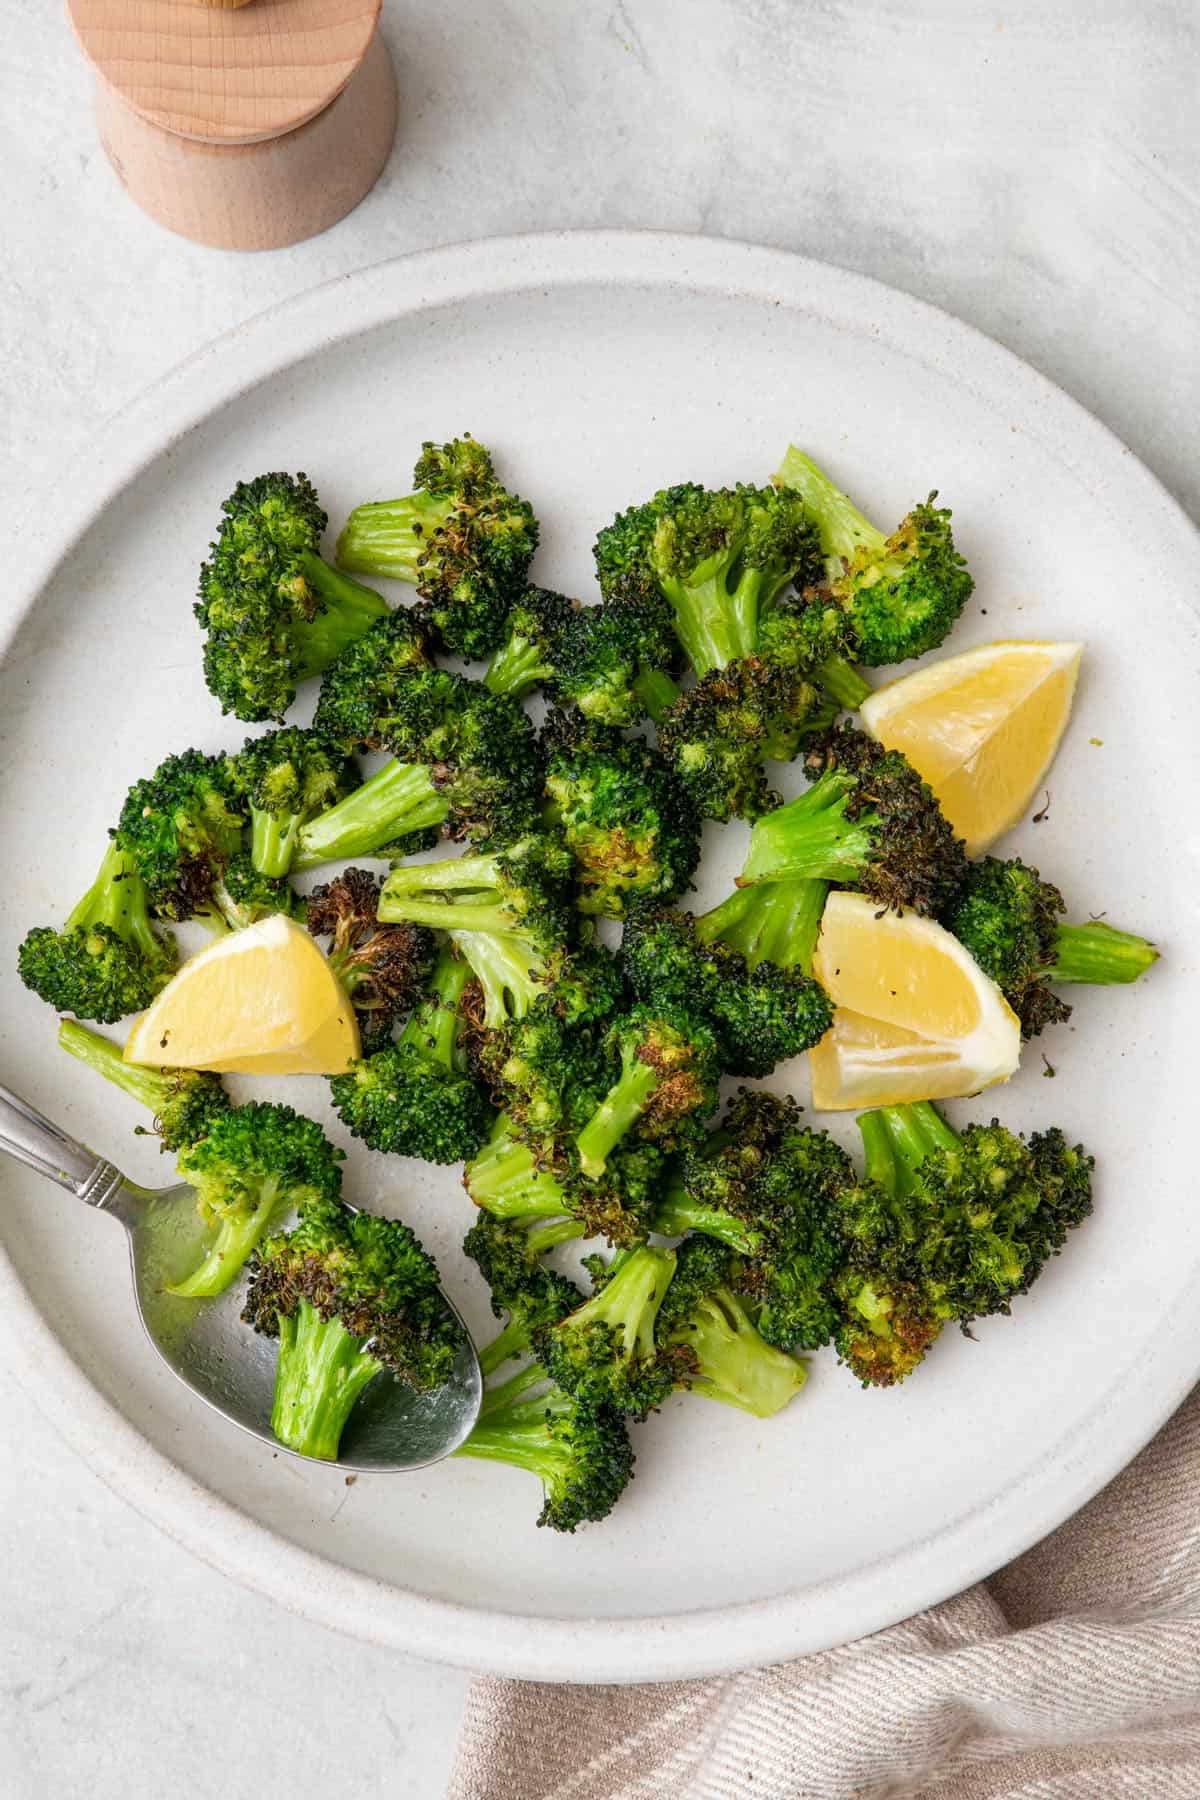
x=1032 y=167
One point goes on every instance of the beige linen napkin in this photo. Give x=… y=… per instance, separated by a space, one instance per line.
x=1074 y=1672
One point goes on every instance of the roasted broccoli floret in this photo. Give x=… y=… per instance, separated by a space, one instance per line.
x=348 y=1295
x=766 y=1188
x=667 y=1083
x=1009 y=919
x=720 y=557
x=718 y=735
x=731 y=1361
x=902 y=593
x=182 y=826
x=539 y=1181
x=241 y=895
x=611 y=661
x=461 y=540
x=382 y=967
x=466 y=761
x=807 y=632
x=546 y=1069
x=273 y=611
x=868 y=822
x=416 y=1097
x=107 y=960
x=632 y=830
x=364 y=689
x=761 y=1015
x=605 y=1352
x=947 y=1226
x=182 y=1102
x=254 y=1164
x=283 y=780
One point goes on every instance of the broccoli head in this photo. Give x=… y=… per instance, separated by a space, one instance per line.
x=702 y=1315
x=255 y=1163
x=868 y=822
x=108 y=960
x=348 y=1295
x=666 y=1084
x=283 y=780
x=461 y=539
x=273 y=611
x=363 y=689
x=605 y=1352
x=182 y=826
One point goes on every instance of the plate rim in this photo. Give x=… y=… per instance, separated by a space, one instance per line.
x=548 y=1648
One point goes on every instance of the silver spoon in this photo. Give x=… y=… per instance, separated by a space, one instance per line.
x=204 y=1342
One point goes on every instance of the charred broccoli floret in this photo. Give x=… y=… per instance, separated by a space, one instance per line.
x=364 y=689
x=760 y=1015
x=720 y=557
x=348 y=1295
x=611 y=661
x=465 y=761
x=605 y=1353
x=632 y=830
x=254 y=1164
x=730 y=1360
x=1010 y=921
x=283 y=780
x=868 y=822
x=461 y=540
x=182 y=1102
x=241 y=895
x=182 y=826
x=666 y=1085
x=902 y=593
x=535 y=1181
x=273 y=611
x=382 y=967
x=416 y=1097
x=107 y=960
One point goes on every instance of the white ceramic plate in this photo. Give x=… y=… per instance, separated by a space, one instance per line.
x=600 y=367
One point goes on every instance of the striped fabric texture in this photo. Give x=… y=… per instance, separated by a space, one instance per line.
x=1073 y=1674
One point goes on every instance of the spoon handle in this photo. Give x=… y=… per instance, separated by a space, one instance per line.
x=30 y=1137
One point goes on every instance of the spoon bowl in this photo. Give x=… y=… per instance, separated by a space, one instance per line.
x=205 y=1343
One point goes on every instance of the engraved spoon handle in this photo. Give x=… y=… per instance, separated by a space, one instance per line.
x=33 y=1140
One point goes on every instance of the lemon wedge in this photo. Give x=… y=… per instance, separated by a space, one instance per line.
x=915 y=1016
x=263 y=1001
x=981 y=728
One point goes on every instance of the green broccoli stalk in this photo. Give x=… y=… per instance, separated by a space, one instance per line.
x=520 y=890
x=528 y=656
x=461 y=540
x=580 y=1453
x=510 y=1179
x=719 y=557
x=1009 y=919
x=182 y=1102
x=774 y=921
x=605 y=1353
x=902 y=593
x=255 y=1163
x=416 y=1097
x=667 y=1083
x=273 y=611
x=702 y=1315
x=530 y=1183
x=869 y=822
x=285 y=779
x=387 y=814
x=108 y=960
x=348 y=1295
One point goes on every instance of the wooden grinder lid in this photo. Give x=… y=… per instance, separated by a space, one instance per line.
x=221 y=75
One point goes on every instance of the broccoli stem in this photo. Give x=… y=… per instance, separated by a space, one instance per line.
x=707 y=623
x=880 y=1157
x=842 y=681
x=497 y=1399
x=390 y=537
x=520 y=1436
x=505 y=1181
x=775 y=921
x=117 y=898
x=842 y=528
x=150 y=1087
x=350 y=610
x=508 y=970
x=616 y=1114
x=433 y=1027
x=676 y=1214
x=237 y=1232
x=322 y=1370
x=811 y=837
x=400 y=799
x=508 y=1343
x=469 y=889
x=628 y=1302
x=737 y=1366
x=273 y=840
x=1099 y=954
x=915 y=1130
x=517 y=668
x=656 y=691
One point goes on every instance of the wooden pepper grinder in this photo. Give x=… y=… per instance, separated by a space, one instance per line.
x=245 y=124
